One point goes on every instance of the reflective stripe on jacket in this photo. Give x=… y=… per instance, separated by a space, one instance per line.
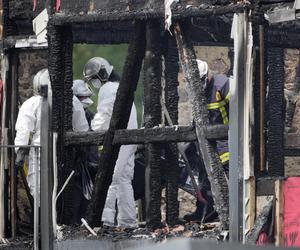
x=218 y=96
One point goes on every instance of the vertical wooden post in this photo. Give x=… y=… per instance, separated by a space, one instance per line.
x=279 y=213
x=262 y=95
x=214 y=169
x=119 y=120
x=275 y=147
x=171 y=151
x=56 y=67
x=152 y=118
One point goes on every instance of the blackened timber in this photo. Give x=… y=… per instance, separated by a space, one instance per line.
x=66 y=122
x=119 y=120
x=214 y=169
x=141 y=136
x=275 y=142
x=260 y=223
x=200 y=10
x=152 y=118
x=56 y=72
x=171 y=70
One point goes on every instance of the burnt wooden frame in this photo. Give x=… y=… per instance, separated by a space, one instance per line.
x=59 y=23
x=62 y=106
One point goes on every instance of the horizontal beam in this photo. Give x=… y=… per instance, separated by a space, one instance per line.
x=142 y=14
x=141 y=136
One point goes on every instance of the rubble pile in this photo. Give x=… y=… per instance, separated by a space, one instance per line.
x=190 y=230
x=19 y=243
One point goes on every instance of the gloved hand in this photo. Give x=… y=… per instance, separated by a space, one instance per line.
x=20 y=159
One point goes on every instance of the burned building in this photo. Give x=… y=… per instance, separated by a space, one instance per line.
x=256 y=33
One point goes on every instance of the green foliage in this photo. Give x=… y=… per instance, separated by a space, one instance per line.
x=115 y=54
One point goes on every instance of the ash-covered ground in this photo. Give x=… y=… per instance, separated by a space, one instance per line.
x=189 y=230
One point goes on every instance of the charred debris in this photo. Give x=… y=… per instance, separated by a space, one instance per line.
x=160 y=54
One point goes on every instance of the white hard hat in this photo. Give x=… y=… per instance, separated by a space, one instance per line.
x=97 y=68
x=40 y=79
x=80 y=88
x=203 y=67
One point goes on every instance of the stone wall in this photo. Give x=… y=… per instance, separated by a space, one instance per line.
x=30 y=62
x=292 y=164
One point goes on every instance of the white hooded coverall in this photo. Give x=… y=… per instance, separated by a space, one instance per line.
x=29 y=123
x=120 y=190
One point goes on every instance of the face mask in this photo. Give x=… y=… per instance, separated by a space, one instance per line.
x=86 y=102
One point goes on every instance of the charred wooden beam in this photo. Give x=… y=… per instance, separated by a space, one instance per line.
x=56 y=67
x=151 y=135
x=141 y=13
x=171 y=70
x=60 y=71
x=214 y=169
x=119 y=120
x=275 y=143
x=66 y=123
x=262 y=220
x=152 y=118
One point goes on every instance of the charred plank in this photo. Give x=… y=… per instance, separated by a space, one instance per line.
x=152 y=117
x=201 y=10
x=264 y=218
x=275 y=142
x=119 y=120
x=141 y=136
x=171 y=70
x=215 y=172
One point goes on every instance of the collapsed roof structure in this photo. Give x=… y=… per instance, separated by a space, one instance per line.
x=256 y=140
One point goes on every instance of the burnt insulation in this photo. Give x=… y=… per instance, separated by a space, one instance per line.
x=119 y=120
x=171 y=151
x=214 y=169
x=152 y=117
x=275 y=141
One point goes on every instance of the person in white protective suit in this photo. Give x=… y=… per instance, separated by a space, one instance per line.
x=82 y=91
x=28 y=125
x=100 y=74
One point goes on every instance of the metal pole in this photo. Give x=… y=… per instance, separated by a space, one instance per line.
x=46 y=178
x=13 y=172
x=3 y=152
x=36 y=199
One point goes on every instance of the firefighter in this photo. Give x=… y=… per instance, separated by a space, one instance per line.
x=101 y=74
x=217 y=94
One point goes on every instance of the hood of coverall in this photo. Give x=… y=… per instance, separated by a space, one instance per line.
x=97 y=71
